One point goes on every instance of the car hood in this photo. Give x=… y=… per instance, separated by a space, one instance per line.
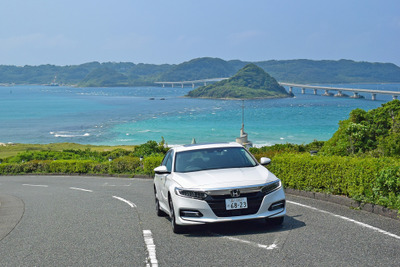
x=224 y=178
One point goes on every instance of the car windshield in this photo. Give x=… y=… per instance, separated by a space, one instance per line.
x=213 y=158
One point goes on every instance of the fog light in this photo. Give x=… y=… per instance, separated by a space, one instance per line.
x=277 y=205
x=191 y=213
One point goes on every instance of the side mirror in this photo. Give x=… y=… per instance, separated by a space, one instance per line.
x=265 y=161
x=161 y=170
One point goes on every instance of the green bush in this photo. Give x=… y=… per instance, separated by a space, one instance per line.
x=36 y=166
x=62 y=166
x=10 y=168
x=365 y=179
x=387 y=187
x=271 y=151
x=149 y=148
x=151 y=162
x=125 y=164
x=375 y=132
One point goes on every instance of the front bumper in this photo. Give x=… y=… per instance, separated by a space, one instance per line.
x=209 y=216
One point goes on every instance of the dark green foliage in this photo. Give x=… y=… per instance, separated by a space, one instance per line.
x=150 y=148
x=104 y=77
x=249 y=82
x=149 y=163
x=67 y=155
x=117 y=161
x=271 y=151
x=130 y=74
x=328 y=71
x=365 y=179
x=376 y=132
x=116 y=153
x=199 y=68
x=44 y=74
x=387 y=187
x=125 y=164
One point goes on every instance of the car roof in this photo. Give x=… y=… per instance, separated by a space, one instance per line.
x=205 y=146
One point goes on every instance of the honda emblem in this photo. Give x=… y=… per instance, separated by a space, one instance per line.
x=235 y=193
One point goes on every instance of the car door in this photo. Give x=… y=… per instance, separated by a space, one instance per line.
x=158 y=177
x=161 y=179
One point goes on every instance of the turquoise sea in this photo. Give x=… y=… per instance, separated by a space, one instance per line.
x=125 y=116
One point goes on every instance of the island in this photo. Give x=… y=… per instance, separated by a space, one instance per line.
x=250 y=82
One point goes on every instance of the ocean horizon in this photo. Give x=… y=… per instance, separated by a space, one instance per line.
x=134 y=115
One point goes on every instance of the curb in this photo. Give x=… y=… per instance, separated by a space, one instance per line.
x=348 y=202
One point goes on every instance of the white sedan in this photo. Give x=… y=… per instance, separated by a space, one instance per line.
x=209 y=183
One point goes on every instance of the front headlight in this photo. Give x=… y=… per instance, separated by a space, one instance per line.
x=190 y=193
x=271 y=187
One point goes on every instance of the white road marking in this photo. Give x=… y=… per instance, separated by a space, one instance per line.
x=126 y=201
x=151 y=248
x=38 y=185
x=80 y=189
x=347 y=219
x=267 y=247
x=106 y=184
x=151 y=260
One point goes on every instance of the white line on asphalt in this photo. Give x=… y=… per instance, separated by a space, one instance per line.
x=106 y=184
x=347 y=219
x=151 y=261
x=151 y=248
x=267 y=247
x=80 y=189
x=126 y=201
x=38 y=185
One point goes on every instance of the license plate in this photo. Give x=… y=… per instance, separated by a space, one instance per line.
x=236 y=203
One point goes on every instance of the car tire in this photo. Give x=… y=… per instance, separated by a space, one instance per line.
x=275 y=221
x=159 y=212
x=176 y=228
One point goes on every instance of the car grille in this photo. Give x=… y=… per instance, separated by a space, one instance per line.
x=217 y=204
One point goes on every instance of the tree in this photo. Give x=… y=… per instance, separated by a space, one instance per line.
x=376 y=131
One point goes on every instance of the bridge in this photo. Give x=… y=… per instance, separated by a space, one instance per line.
x=303 y=87
x=340 y=90
x=192 y=83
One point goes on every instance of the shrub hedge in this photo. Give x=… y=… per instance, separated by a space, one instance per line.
x=373 y=180
x=124 y=165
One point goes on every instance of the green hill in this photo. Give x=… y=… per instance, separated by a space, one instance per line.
x=330 y=71
x=200 y=68
x=248 y=83
x=112 y=74
x=103 y=77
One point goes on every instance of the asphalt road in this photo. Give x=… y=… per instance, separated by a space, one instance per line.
x=95 y=221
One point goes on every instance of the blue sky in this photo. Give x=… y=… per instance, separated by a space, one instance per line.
x=71 y=32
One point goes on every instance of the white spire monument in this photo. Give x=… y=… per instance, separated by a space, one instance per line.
x=243 y=139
